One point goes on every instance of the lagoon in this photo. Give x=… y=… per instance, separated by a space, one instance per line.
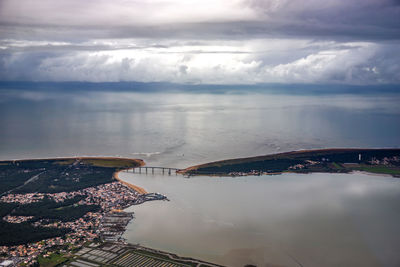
x=315 y=219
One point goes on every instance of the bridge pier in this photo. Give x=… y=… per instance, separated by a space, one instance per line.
x=164 y=170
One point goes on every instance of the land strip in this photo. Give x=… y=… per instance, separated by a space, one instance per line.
x=138 y=189
x=335 y=160
x=59 y=202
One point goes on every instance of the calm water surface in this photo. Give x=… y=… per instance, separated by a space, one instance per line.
x=178 y=130
x=284 y=220
x=287 y=220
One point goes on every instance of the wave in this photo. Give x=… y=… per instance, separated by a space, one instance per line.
x=147 y=154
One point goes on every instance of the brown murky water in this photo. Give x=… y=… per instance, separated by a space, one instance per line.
x=285 y=220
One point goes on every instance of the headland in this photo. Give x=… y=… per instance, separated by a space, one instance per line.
x=62 y=204
x=334 y=160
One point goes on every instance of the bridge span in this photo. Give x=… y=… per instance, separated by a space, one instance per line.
x=146 y=169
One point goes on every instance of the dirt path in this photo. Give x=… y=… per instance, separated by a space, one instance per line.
x=33 y=178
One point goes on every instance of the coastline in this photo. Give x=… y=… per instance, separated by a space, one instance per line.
x=108 y=223
x=333 y=160
x=373 y=174
x=76 y=157
x=142 y=192
x=138 y=189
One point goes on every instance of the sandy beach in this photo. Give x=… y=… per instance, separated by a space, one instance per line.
x=138 y=189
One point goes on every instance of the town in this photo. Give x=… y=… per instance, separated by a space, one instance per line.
x=108 y=223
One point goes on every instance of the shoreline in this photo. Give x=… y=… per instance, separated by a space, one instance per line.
x=109 y=232
x=333 y=160
x=373 y=174
x=76 y=157
x=141 y=163
x=138 y=189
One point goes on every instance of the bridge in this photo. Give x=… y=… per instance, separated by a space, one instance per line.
x=146 y=170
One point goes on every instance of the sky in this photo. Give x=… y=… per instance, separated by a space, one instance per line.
x=353 y=42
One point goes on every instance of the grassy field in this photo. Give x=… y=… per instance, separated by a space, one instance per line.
x=337 y=166
x=52 y=260
x=378 y=169
x=63 y=162
x=112 y=162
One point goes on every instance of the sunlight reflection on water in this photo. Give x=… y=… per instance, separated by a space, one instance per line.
x=182 y=129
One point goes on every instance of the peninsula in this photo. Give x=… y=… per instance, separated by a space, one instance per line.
x=334 y=160
x=68 y=210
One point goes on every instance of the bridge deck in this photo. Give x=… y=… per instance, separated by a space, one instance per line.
x=156 y=167
x=163 y=169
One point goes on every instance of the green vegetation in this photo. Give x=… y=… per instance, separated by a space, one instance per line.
x=59 y=175
x=64 y=162
x=323 y=160
x=378 y=169
x=52 y=260
x=271 y=165
x=111 y=162
x=48 y=209
x=6 y=208
x=22 y=233
x=51 y=176
x=337 y=166
x=12 y=175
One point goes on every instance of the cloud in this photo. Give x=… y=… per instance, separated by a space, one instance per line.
x=353 y=63
x=221 y=42
x=355 y=20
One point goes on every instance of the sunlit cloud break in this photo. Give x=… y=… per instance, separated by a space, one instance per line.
x=201 y=42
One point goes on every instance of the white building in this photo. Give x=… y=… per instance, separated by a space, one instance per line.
x=7 y=263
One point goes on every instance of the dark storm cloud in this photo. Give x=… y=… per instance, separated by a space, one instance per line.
x=242 y=41
x=355 y=20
